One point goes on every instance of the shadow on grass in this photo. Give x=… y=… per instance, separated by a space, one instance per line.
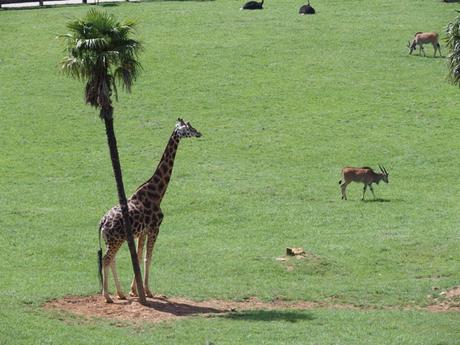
x=181 y=309
x=270 y=315
x=377 y=200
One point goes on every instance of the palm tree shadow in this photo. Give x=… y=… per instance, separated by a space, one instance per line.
x=269 y=315
x=181 y=309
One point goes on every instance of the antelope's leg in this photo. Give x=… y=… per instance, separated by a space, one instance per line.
x=140 y=248
x=120 y=293
x=364 y=190
x=372 y=190
x=343 y=188
x=151 y=238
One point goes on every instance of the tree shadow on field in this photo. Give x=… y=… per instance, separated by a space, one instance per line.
x=181 y=309
x=270 y=315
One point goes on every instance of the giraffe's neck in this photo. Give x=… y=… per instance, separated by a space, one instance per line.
x=155 y=187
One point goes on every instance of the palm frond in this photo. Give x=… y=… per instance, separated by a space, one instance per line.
x=453 y=44
x=101 y=51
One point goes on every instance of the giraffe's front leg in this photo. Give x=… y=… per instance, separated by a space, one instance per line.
x=152 y=236
x=140 y=248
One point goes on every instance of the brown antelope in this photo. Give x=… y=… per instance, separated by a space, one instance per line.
x=422 y=38
x=363 y=175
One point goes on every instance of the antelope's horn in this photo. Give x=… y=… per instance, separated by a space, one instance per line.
x=383 y=169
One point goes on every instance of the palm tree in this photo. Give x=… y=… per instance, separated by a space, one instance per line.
x=453 y=44
x=101 y=52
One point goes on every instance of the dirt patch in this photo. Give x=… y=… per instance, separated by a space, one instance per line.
x=160 y=308
x=452 y=293
x=448 y=300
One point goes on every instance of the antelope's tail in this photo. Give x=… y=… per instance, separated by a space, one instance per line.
x=340 y=182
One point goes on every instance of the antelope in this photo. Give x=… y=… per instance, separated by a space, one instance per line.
x=253 y=5
x=364 y=175
x=422 y=38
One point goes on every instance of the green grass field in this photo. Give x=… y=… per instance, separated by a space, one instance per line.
x=283 y=102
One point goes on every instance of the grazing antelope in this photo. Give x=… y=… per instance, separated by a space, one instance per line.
x=306 y=9
x=363 y=175
x=253 y=5
x=422 y=38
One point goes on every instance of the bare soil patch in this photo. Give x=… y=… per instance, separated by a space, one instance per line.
x=161 y=308
x=449 y=300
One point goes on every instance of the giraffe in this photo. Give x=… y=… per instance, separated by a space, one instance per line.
x=145 y=215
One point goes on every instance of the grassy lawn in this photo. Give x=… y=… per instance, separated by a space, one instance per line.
x=283 y=102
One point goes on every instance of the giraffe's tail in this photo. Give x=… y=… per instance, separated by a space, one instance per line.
x=99 y=257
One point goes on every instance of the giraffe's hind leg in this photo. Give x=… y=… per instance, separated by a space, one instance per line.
x=112 y=249
x=120 y=293
x=140 y=248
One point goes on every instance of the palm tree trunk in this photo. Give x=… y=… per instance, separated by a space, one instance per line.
x=106 y=114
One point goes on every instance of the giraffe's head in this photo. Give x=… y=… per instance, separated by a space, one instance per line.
x=185 y=129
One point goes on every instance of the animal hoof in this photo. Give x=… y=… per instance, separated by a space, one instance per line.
x=133 y=294
x=121 y=296
x=108 y=300
x=148 y=293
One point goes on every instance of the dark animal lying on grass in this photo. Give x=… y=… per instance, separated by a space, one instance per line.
x=362 y=175
x=306 y=9
x=422 y=38
x=253 y=5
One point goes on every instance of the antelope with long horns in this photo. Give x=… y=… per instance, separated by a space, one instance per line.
x=364 y=175
x=422 y=38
